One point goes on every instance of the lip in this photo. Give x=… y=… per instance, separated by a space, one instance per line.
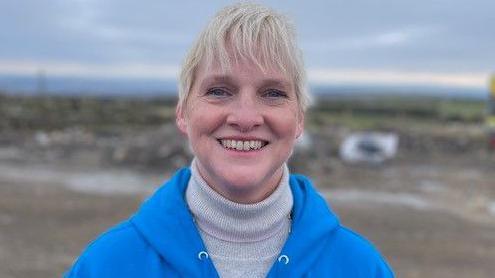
x=243 y=138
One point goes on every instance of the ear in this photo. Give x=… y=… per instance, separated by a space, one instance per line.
x=300 y=124
x=180 y=119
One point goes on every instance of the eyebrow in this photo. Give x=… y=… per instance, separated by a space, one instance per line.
x=276 y=83
x=217 y=79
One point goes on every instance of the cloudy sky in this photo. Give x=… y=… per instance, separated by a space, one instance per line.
x=442 y=42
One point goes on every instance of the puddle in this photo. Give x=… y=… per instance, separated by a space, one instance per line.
x=418 y=202
x=102 y=182
x=109 y=183
x=378 y=197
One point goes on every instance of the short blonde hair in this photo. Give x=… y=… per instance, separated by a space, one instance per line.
x=253 y=32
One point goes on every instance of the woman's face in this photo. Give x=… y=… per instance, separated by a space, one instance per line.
x=242 y=126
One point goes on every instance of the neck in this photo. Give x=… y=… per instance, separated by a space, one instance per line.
x=242 y=194
x=235 y=221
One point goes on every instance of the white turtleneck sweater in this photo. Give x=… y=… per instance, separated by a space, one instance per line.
x=242 y=240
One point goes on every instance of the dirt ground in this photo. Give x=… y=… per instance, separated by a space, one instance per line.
x=429 y=216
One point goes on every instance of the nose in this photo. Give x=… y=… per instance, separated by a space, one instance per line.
x=245 y=114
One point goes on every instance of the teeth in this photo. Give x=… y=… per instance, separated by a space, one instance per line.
x=252 y=144
x=242 y=145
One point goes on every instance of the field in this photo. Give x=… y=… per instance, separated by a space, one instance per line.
x=72 y=167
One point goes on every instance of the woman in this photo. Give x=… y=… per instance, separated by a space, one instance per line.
x=236 y=212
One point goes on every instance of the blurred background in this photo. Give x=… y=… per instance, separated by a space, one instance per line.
x=400 y=138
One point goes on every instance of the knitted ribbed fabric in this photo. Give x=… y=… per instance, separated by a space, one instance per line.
x=243 y=240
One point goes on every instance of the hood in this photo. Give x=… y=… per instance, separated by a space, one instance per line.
x=166 y=224
x=312 y=222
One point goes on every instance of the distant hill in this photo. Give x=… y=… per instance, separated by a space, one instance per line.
x=30 y=85
x=373 y=90
x=108 y=87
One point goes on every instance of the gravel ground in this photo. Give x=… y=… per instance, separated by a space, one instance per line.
x=431 y=211
x=429 y=220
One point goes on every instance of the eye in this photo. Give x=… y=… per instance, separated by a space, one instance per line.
x=218 y=93
x=275 y=94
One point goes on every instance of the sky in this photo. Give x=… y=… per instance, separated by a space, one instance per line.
x=424 y=42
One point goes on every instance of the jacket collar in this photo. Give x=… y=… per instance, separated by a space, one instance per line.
x=312 y=223
x=166 y=223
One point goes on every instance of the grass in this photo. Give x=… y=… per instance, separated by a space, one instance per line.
x=89 y=112
x=385 y=113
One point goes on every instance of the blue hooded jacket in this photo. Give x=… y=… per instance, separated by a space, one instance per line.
x=161 y=240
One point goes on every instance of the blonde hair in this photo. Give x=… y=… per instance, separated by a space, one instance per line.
x=254 y=33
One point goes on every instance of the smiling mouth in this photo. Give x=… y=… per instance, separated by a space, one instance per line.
x=240 y=145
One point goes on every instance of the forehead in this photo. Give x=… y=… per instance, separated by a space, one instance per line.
x=242 y=70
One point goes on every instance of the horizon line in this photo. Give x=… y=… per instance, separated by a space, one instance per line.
x=316 y=76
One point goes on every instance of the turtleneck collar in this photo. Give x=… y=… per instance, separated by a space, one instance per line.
x=235 y=222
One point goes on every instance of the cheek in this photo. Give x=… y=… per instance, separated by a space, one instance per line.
x=204 y=120
x=294 y=122
x=286 y=127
